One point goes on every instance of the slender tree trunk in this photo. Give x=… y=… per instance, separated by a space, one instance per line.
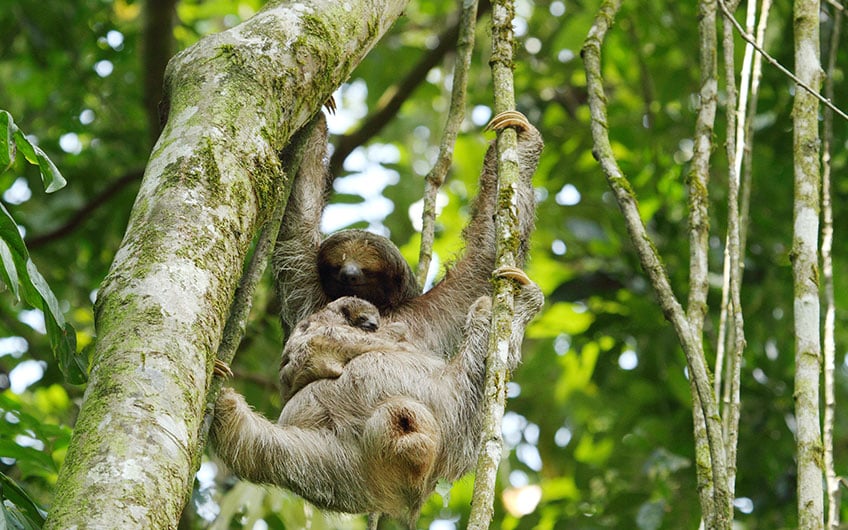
x=234 y=99
x=805 y=267
x=832 y=479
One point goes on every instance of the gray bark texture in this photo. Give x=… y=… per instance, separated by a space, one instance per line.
x=234 y=101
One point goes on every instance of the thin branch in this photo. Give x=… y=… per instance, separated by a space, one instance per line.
x=831 y=480
x=84 y=213
x=747 y=161
x=836 y=5
x=243 y=297
x=697 y=186
x=732 y=269
x=772 y=61
x=436 y=177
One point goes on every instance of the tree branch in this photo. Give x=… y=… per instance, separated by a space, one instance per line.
x=436 y=177
x=84 y=214
x=832 y=480
x=503 y=303
x=158 y=47
x=160 y=313
x=718 y=509
x=805 y=268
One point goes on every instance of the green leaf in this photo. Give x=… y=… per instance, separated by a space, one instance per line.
x=9 y=270
x=31 y=461
x=38 y=294
x=24 y=512
x=51 y=178
x=10 y=234
x=7 y=143
x=44 y=297
x=74 y=365
x=25 y=147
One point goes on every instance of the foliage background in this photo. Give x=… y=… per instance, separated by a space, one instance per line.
x=600 y=418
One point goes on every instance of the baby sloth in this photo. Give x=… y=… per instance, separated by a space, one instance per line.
x=325 y=342
x=372 y=421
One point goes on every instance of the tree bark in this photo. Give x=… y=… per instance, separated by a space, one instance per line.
x=235 y=99
x=805 y=267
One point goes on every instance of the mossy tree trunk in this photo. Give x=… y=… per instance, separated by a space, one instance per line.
x=805 y=267
x=235 y=99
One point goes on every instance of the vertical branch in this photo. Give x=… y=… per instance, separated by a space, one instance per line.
x=832 y=481
x=747 y=160
x=805 y=268
x=699 y=176
x=506 y=231
x=436 y=177
x=731 y=309
x=699 y=228
x=723 y=365
x=716 y=504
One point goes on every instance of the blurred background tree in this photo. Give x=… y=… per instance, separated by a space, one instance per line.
x=599 y=421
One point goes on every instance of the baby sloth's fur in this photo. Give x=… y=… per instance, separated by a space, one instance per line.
x=391 y=421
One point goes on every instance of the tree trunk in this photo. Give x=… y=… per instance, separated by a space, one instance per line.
x=805 y=267
x=235 y=99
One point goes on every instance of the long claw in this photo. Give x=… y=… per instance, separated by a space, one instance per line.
x=222 y=369
x=330 y=105
x=509 y=118
x=513 y=273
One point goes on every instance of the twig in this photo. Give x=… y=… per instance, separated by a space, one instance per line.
x=436 y=177
x=771 y=60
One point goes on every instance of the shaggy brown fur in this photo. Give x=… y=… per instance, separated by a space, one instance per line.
x=376 y=437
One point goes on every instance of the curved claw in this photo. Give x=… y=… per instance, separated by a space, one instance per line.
x=222 y=369
x=330 y=105
x=509 y=118
x=513 y=273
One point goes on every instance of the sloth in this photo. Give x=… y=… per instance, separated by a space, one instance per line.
x=310 y=272
x=326 y=341
x=372 y=421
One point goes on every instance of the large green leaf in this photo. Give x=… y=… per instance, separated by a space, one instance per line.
x=23 y=512
x=19 y=272
x=50 y=175
x=7 y=144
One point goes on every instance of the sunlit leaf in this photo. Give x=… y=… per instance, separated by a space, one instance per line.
x=9 y=270
x=38 y=294
x=51 y=178
x=7 y=142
